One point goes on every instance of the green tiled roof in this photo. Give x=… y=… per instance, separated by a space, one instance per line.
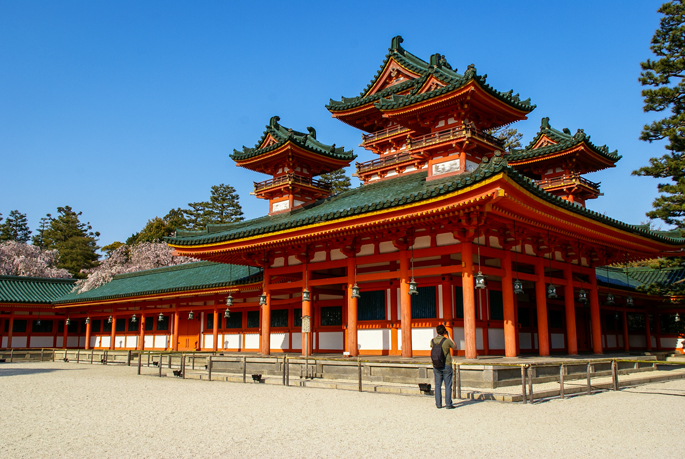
x=638 y=277
x=391 y=193
x=187 y=277
x=616 y=277
x=565 y=140
x=282 y=135
x=32 y=290
x=438 y=67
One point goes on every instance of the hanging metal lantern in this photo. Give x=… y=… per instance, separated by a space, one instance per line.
x=582 y=296
x=677 y=317
x=355 y=291
x=552 y=291
x=227 y=313
x=160 y=317
x=134 y=319
x=191 y=315
x=68 y=321
x=518 y=286
x=413 y=289
x=38 y=322
x=480 y=281
x=87 y=320
x=610 y=299
x=229 y=300
x=629 y=301
x=109 y=321
x=262 y=299
x=306 y=296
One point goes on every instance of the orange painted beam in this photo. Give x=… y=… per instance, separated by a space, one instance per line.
x=541 y=307
x=468 y=294
x=405 y=305
x=510 y=329
x=570 y=310
x=595 y=318
x=352 y=309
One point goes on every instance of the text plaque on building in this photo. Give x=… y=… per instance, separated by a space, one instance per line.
x=306 y=324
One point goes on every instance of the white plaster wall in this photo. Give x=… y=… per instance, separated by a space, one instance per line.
x=19 y=341
x=496 y=338
x=149 y=342
x=653 y=341
x=292 y=261
x=670 y=343
x=72 y=341
x=93 y=340
x=297 y=340
x=119 y=341
x=41 y=341
x=365 y=250
x=445 y=239
x=104 y=341
x=4 y=341
x=60 y=340
x=132 y=342
x=458 y=335
x=162 y=341
x=280 y=341
x=234 y=341
x=422 y=242
x=373 y=340
x=208 y=341
x=386 y=247
x=611 y=341
x=251 y=341
x=557 y=340
x=278 y=262
x=318 y=257
x=440 y=302
x=637 y=340
x=479 y=338
x=525 y=341
x=331 y=340
x=336 y=254
x=620 y=340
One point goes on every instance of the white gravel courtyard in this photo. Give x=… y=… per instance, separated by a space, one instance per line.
x=66 y=410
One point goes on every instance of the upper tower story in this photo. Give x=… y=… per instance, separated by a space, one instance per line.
x=421 y=115
x=557 y=161
x=293 y=159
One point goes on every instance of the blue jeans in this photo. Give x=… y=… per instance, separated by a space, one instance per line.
x=444 y=374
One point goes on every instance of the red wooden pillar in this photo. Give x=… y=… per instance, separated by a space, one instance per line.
x=141 y=333
x=65 y=334
x=541 y=307
x=626 y=343
x=307 y=311
x=215 y=329
x=648 y=332
x=405 y=305
x=114 y=328
x=509 y=310
x=447 y=316
x=658 y=330
x=352 y=308
x=88 y=331
x=10 y=330
x=469 y=297
x=394 y=317
x=174 y=332
x=266 y=324
x=595 y=318
x=570 y=308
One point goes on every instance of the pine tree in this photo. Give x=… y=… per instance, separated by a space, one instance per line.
x=338 y=180
x=668 y=44
x=15 y=228
x=75 y=241
x=223 y=207
x=510 y=136
x=38 y=239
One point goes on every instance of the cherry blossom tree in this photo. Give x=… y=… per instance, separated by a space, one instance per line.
x=129 y=259
x=18 y=259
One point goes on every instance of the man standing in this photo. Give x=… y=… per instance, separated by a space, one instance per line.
x=442 y=365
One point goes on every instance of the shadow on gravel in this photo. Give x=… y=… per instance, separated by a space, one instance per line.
x=466 y=403
x=29 y=371
x=649 y=392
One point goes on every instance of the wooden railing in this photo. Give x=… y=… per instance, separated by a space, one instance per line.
x=378 y=135
x=291 y=178
x=452 y=134
x=566 y=180
x=383 y=161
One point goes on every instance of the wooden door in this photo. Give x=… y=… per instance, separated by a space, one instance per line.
x=583 y=329
x=189 y=334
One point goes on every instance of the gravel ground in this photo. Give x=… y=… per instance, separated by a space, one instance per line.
x=68 y=410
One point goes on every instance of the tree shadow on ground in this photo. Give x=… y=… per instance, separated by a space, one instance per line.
x=9 y=371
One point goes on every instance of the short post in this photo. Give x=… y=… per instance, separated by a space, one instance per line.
x=159 y=364
x=65 y=355
x=78 y=355
x=285 y=359
x=12 y=355
x=614 y=373
x=91 y=356
x=244 y=367
x=193 y=364
x=359 y=371
x=209 y=369
x=53 y=355
x=104 y=359
x=128 y=359
x=148 y=360
x=169 y=363
x=287 y=373
x=530 y=384
x=561 y=381
x=454 y=386
x=183 y=365
x=41 y=353
x=589 y=384
x=523 y=384
x=458 y=382
x=140 y=362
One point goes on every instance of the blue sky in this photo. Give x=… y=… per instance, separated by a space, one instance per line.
x=124 y=110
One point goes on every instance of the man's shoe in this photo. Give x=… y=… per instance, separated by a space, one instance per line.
x=451 y=407
x=439 y=407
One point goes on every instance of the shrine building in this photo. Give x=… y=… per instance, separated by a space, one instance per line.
x=447 y=227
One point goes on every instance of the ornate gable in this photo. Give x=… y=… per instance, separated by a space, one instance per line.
x=393 y=74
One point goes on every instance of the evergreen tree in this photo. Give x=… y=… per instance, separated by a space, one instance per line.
x=338 y=180
x=75 y=241
x=223 y=207
x=15 y=228
x=668 y=44
x=38 y=239
x=110 y=248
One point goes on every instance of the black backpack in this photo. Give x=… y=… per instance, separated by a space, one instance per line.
x=437 y=355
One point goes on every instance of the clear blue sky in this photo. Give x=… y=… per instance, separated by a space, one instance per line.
x=124 y=110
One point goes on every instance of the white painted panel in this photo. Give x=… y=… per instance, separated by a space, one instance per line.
x=104 y=342
x=445 y=239
x=251 y=341
x=458 y=338
x=366 y=250
x=331 y=340
x=557 y=340
x=386 y=247
x=19 y=341
x=149 y=342
x=72 y=341
x=280 y=341
x=653 y=341
x=278 y=262
x=161 y=341
x=496 y=338
x=336 y=254
x=93 y=339
x=374 y=340
x=4 y=341
x=319 y=256
x=421 y=337
x=119 y=341
x=292 y=261
x=208 y=341
x=422 y=242
x=620 y=340
x=234 y=341
x=60 y=340
x=440 y=313
x=525 y=341
x=132 y=342
x=637 y=341
x=669 y=343
x=611 y=340
x=41 y=341
x=479 y=338
x=97 y=341
x=297 y=341
x=535 y=340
